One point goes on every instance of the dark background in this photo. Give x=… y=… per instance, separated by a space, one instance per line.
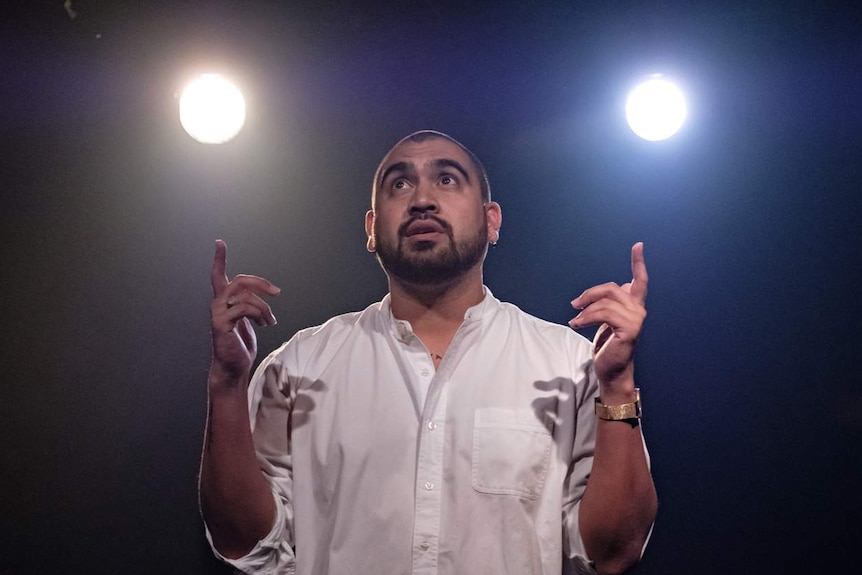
x=749 y=364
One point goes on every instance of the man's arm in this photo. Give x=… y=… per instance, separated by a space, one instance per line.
x=619 y=503
x=236 y=501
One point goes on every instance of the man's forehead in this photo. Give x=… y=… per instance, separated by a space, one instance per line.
x=425 y=153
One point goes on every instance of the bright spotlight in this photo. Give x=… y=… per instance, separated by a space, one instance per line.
x=655 y=110
x=212 y=110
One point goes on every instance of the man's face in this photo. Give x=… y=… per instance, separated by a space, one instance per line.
x=429 y=224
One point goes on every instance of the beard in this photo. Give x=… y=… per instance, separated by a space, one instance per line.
x=426 y=263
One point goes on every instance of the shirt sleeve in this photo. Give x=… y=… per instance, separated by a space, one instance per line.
x=270 y=556
x=575 y=560
x=270 y=400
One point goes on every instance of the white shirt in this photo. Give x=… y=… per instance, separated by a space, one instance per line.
x=381 y=465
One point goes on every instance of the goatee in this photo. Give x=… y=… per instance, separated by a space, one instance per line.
x=426 y=263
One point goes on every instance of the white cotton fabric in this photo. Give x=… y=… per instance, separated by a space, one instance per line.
x=381 y=465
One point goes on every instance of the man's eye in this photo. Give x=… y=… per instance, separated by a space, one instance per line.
x=399 y=185
x=447 y=180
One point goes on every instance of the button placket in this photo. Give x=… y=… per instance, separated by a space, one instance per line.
x=428 y=489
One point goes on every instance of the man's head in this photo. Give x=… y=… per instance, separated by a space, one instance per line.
x=431 y=218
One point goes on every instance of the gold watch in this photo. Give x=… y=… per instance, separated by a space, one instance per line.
x=624 y=412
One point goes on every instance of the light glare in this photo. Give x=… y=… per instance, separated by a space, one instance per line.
x=212 y=110
x=655 y=109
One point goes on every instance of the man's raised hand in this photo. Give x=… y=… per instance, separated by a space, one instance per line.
x=236 y=302
x=621 y=312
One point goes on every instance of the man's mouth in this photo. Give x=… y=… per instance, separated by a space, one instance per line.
x=423 y=228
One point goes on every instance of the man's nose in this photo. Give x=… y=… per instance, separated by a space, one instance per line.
x=423 y=200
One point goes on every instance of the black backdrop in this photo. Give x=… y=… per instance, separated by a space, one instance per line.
x=749 y=364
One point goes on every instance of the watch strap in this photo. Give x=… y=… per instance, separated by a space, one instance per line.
x=626 y=411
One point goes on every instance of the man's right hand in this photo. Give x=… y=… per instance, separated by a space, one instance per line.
x=236 y=302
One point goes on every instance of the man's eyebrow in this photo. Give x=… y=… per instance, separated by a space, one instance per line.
x=396 y=167
x=448 y=163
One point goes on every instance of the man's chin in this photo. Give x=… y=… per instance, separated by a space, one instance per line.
x=424 y=246
x=422 y=268
x=430 y=261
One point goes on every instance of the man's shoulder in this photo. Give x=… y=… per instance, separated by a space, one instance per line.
x=323 y=339
x=515 y=313
x=367 y=320
x=538 y=327
x=344 y=322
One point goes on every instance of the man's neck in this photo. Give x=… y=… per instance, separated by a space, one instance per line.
x=436 y=312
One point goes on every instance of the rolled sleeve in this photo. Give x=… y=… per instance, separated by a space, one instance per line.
x=270 y=556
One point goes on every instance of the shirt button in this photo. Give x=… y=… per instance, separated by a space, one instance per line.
x=429 y=486
x=432 y=426
x=424 y=546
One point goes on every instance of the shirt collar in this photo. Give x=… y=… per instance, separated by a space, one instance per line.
x=402 y=329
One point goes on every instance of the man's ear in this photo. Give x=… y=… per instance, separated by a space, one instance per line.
x=495 y=220
x=370 y=245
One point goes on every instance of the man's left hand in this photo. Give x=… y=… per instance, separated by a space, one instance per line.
x=620 y=311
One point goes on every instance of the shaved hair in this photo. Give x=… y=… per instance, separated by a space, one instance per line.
x=424 y=136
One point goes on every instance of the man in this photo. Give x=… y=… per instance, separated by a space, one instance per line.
x=439 y=430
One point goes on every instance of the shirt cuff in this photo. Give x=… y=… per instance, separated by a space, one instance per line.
x=268 y=554
x=578 y=565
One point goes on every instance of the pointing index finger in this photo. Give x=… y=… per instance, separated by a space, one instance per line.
x=639 y=273
x=219 y=275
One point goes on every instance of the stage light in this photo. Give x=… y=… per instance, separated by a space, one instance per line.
x=655 y=109
x=212 y=110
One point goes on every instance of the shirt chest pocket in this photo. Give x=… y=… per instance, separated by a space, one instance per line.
x=511 y=452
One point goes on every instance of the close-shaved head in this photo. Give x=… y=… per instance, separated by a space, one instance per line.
x=431 y=217
x=423 y=136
